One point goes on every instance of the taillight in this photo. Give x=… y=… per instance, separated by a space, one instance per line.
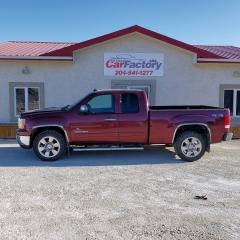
x=227 y=120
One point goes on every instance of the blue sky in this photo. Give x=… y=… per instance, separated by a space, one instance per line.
x=192 y=21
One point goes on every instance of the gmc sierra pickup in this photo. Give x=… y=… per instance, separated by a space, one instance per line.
x=119 y=120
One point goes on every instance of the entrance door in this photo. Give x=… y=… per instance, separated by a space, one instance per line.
x=146 y=88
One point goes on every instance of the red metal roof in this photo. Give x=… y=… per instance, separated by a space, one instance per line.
x=65 y=49
x=15 y=48
x=228 y=52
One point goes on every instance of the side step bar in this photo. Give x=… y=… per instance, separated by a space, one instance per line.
x=82 y=149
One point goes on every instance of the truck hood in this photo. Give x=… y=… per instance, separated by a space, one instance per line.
x=41 y=112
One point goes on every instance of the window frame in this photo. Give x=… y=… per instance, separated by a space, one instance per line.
x=113 y=104
x=235 y=90
x=26 y=96
x=137 y=82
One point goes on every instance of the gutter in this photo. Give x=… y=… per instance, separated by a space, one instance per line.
x=48 y=58
x=217 y=60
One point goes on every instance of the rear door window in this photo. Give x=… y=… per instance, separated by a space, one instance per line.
x=129 y=103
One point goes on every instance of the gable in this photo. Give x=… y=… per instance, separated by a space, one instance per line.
x=134 y=29
x=63 y=51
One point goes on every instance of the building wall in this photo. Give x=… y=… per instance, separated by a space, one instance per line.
x=183 y=82
x=64 y=82
x=54 y=75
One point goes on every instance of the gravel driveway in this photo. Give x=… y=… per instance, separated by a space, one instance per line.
x=120 y=195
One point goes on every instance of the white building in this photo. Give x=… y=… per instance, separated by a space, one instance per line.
x=43 y=74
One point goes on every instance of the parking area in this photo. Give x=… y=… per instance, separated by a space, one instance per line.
x=120 y=195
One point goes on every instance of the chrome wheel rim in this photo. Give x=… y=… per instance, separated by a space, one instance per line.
x=49 y=147
x=191 y=147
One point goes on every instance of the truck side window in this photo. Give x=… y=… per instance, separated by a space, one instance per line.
x=130 y=103
x=102 y=104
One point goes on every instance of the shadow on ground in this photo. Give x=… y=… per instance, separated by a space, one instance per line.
x=16 y=156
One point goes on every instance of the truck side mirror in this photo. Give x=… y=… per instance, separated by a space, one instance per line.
x=84 y=109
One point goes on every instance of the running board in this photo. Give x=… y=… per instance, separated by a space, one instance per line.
x=81 y=149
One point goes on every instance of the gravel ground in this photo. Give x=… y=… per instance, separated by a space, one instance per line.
x=120 y=195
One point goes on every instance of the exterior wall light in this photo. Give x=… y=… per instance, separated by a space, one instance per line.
x=236 y=74
x=25 y=70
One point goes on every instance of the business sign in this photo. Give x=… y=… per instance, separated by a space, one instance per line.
x=133 y=64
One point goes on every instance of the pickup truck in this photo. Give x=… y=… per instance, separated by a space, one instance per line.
x=121 y=120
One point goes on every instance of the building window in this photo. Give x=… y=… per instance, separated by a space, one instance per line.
x=26 y=99
x=232 y=101
x=25 y=96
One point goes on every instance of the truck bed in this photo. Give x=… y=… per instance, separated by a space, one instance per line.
x=165 y=119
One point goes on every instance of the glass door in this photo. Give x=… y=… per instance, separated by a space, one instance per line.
x=146 y=88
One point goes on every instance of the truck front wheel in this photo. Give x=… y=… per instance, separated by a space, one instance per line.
x=49 y=145
x=190 y=146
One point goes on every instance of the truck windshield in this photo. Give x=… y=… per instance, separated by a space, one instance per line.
x=69 y=106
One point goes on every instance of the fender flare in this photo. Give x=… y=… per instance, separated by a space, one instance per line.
x=53 y=125
x=195 y=123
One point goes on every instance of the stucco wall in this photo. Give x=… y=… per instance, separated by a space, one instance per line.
x=64 y=82
x=183 y=82
x=54 y=75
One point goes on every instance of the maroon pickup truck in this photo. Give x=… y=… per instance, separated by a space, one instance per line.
x=122 y=119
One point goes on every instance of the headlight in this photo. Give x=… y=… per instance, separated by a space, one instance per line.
x=21 y=123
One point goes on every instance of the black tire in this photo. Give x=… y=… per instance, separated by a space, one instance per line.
x=56 y=152
x=179 y=146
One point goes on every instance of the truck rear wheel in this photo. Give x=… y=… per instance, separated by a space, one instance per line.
x=49 y=145
x=190 y=146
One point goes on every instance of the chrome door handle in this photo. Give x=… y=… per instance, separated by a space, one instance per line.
x=110 y=119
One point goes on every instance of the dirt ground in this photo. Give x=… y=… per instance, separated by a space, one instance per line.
x=120 y=195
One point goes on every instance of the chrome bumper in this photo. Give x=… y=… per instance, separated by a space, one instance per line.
x=23 y=141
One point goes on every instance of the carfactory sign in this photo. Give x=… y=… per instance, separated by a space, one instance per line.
x=133 y=64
